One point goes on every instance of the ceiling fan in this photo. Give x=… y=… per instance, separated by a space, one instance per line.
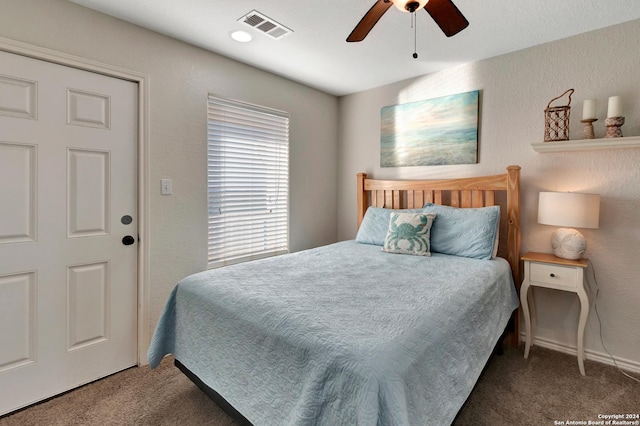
x=444 y=12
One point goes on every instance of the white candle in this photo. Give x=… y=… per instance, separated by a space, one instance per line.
x=589 y=109
x=615 y=107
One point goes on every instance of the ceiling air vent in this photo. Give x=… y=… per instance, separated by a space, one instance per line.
x=265 y=24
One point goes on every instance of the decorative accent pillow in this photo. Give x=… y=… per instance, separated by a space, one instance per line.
x=375 y=223
x=467 y=232
x=408 y=233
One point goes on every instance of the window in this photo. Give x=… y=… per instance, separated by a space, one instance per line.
x=248 y=182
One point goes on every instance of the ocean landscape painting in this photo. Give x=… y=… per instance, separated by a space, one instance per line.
x=431 y=132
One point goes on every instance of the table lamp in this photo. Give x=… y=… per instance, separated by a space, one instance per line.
x=569 y=210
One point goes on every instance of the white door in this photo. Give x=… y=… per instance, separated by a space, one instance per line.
x=68 y=197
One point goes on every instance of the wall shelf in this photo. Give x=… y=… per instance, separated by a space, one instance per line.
x=588 y=144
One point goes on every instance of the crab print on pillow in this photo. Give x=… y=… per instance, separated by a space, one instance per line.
x=409 y=233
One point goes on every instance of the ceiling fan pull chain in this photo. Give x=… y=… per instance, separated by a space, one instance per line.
x=414 y=24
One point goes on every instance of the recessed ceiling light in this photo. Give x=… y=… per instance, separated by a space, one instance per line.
x=241 y=36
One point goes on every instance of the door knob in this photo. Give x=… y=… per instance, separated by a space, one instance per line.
x=128 y=240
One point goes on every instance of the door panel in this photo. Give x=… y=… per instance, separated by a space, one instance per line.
x=18 y=97
x=68 y=172
x=88 y=193
x=88 y=290
x=18 y=206
x=19 y=331
x=88 y=109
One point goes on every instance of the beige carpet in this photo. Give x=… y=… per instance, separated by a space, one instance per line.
x=512 y=391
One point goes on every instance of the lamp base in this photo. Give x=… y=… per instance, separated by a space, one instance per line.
x=568 y=243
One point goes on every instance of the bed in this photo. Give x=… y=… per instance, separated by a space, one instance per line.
x=347 y=333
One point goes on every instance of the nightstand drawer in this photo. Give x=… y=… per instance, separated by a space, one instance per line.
x=557 y=276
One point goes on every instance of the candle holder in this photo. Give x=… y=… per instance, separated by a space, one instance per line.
x=587 y=130
x=613 y=127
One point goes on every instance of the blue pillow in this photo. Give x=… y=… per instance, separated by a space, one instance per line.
x=467 y=232
x=375 y=224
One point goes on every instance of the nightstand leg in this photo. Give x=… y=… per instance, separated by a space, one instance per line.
x=584 y=313
x=532 y=312
x=524 y=302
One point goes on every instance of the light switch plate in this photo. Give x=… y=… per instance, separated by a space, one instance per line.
x=166 y=186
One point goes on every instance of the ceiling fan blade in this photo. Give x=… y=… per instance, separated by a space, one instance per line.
x=369 y=20
x=450 y=20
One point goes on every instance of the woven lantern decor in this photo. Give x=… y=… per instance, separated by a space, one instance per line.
x=556 y=124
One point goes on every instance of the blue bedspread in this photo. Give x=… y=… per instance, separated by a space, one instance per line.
x=340 y=335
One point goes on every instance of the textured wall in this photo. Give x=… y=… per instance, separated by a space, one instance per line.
x=515 y=89
x=181 y=76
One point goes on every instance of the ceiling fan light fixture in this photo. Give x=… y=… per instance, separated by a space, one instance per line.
x=409 y=5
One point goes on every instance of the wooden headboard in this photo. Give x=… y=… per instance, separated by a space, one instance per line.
x=502 y=190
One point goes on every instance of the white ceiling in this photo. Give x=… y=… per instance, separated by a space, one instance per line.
x=316 y=53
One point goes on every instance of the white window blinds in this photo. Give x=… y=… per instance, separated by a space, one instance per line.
x=248 y=182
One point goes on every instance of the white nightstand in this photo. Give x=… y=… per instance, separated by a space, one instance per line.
x=547 y=270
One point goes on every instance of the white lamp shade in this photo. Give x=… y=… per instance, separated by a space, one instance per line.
x=569 y=209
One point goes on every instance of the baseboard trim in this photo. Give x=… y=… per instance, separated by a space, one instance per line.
x=601 y=357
